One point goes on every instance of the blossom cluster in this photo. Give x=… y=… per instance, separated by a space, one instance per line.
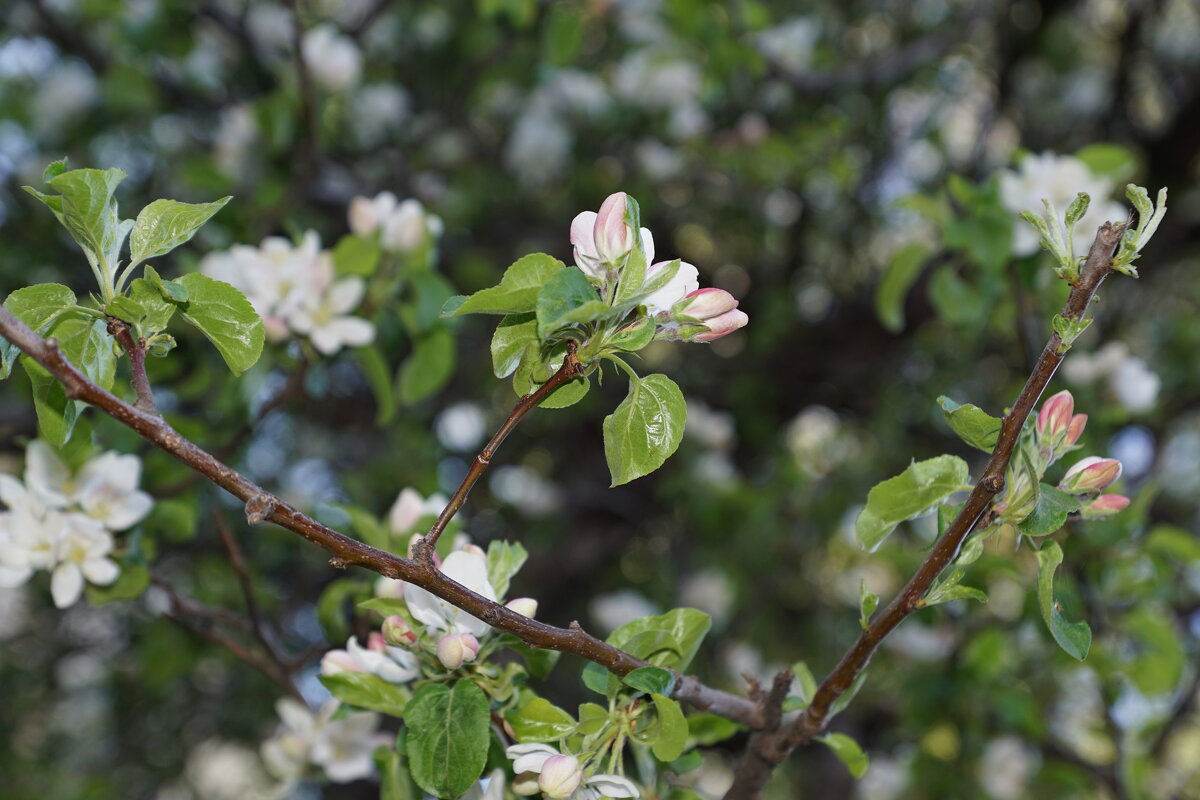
x=402 y=227
x=541 y=768
x=294 y=289
x=605 y=241
x=342 y=746
x=62 y=521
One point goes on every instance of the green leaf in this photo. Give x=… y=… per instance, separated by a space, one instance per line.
x=515 y=334
x=1075 y=638
x=847 y=751
x=568 y=298
x=673 y=729
x=448 y=737
x=1111 y=161
x=908 y=495
x=125 y=308
x=867 y=603
x=807 y=683
x=539 y=662
x=847 y=697
x=592 y=718
x=705 y=730
x=633 y=276
x=130 y=585
x=86 y=343
x=165 y=224
x=428 y=368
x=394 y=779
x=369 y=691
x=539 y=720
x=171 y=290
x=972 y=424
x=226 y=318
x=375 y=368
x=517 y=291
x=635 y=335
x=86 y=208
x=37 y=306
x=54 y=169
x=958 y=593
x=356 y=255
x=651 y=680
x=901 y=274
x=685 y=629
x=504 y=559
x=536 y=368
x=385 y=606
x=645 y=429
x=1053 y=506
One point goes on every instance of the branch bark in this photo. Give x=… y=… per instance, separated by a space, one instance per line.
x=768 y=749
x=137 y=364
x=264 y=506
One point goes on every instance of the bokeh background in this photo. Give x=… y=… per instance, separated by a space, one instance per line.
x=801 y=158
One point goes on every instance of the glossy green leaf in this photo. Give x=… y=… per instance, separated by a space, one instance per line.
x=847 y=697
x=539 y=720
x=806 y=684
x=86 y=208
x=972 y=424
x=165 y=224
x=515 y=334
x=645 y=429
x=672 y=729
x=957 y=592
x=847 y=751
x=448 y=736
x=685 y=628
x=356 y=255
x=226 y=318
x=368 y=691
x=1050 y=513
x=38 y=306
x=867 y=603
x=86 y=343
x=536 y=368
x=908 y=495
x=1075 y=638
x=567 y=298
x=651 y=680
x=635 y=335
x=705 y=730
x=125 y=308
x=517 y=291
x=171 y=290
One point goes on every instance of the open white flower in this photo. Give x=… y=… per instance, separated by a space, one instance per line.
x=467 y=567
x=326 y=319
x=81 y=552
x=393 y=664
x=105 y=488
x=332 y=57
x=531 y=759
x=410 y=508
x=28 y=535
x=343 y=747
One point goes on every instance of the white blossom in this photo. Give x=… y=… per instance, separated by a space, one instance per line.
x=333 y=58
x=105 y=488
x=1057 y=179
x=81 y=552
x=326 y=318
x=393 y=664
x=342 y=747
x=1005 y=768
x=410 y=508
x=467 y=567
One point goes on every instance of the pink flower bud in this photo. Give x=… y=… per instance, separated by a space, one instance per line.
x=705 y=304
x=721 y=325
x=336 y=661
x=397 y=632
x=1091 y=474
x=376 y=642
x=613 y=235
x=560 y=776
x=525 y=606
x=1075 y=429
x=1055 y=415
x=456 y=649
x=1104 y=505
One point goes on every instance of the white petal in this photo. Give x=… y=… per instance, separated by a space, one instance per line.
x=45 y=474
x=128 y=511
x=66 y=585
x=12 y=491
x=613 y=786
x=353 y=331
x=12 y=577
x=406 y=511
x=583 y=234
x=100 y=571
x=532 y=762
x=296 y=716
x=325 y=339
x=346 y=294
x=648 y=245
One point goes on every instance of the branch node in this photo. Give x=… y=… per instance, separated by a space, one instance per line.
x=339 y=562
x=260 y=507
x=993 y=484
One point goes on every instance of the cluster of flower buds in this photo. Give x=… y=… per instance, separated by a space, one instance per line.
x=1058 y=428
x=605 y=241
x=456 y=649
x=1088 y=479
x=541 y=768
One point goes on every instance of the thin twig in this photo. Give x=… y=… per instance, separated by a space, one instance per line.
x=351 y=552
x=137 y=364
x=770 y=748
x=258 y=623
x=569 y=369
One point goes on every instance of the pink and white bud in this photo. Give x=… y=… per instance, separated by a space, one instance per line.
x=720 y=326
x=1075 y=429
x=397 y=632
x=1091 y=474
x=525 y=784
x=525 y=606
x=685 y=281
x=1055 y=416
x=336 y=661
x=612 y=234
x=376 y=643
x=456 y=649
x=705 y=304
x=560 y=776
x=366 y=215
x=1105 y=505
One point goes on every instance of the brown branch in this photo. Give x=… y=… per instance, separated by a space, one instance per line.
x=237 y=560
x=769 y=748
x=137 y=364
x=569 y=369
x=348 y=551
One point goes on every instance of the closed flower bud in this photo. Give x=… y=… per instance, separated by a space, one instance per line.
x=456 y=649
x=560 y=776
x=1091 y=474
x=721 y=325
x=364 y=219
x=1105 y=505
x=705 y=304
x=376 y=643
x=336 y=661
x=1075 y=429
x=613 y=235
x=397 y=632
x=1055 y=416
x=525 y=606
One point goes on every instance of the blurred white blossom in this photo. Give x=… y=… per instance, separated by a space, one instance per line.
x=790 y=44
x=69 y=91
x=1057 y=179
x=1129 y=378
x=222 y=770
x=332 y=57
x=1005 y=767
x=461 y=427
x=525 y=490
x=342 y=747
x=710 y=591
x=611 y=611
